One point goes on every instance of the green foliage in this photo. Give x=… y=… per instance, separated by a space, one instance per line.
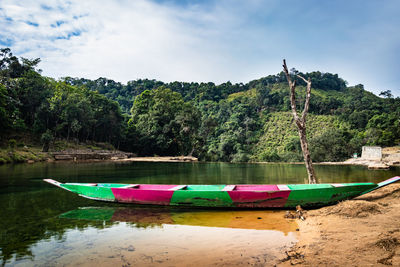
x=46 y=138
x=32 y=103
x=280 y=140
x=162 y=123
x=5 y=121
x=332 y=145
x=226 y=122
x=383 y=129
x=230 y=127
x=12 y=143
x=269 y=155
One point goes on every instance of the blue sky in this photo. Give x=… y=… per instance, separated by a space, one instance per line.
x=207 y=40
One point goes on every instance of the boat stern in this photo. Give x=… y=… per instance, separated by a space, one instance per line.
x=87 y=190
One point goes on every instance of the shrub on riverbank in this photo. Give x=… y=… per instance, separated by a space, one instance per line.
x=24 y=154
x=32 y=152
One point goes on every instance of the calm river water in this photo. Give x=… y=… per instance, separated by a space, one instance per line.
x=45 y=226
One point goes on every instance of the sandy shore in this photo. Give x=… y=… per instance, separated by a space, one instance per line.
x=161 y=159
x=360 y=232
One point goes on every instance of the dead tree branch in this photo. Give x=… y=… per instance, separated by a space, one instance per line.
x=301 y=121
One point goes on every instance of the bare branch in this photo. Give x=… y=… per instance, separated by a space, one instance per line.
x=292 y=86
x=301 y=77
x=307 y=103
x=285 y=69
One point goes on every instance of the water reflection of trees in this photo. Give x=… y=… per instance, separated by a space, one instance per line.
x=32 y=217
x=27 y=218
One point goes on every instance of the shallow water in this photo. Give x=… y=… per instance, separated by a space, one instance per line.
x=44 y=225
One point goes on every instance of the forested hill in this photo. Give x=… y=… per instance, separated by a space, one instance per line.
x=124 y=94
x=226 y=122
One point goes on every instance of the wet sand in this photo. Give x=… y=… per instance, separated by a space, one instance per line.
x=193 y=238
x=360 y=232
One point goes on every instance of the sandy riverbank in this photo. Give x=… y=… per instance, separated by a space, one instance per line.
x=161 y=159
x=360 y=232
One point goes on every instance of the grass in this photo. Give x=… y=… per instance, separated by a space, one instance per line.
x=22 y=154
x=19 y=151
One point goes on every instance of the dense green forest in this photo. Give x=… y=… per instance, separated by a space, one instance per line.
x=226 y=122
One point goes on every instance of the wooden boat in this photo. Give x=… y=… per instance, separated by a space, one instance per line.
x=225 y=196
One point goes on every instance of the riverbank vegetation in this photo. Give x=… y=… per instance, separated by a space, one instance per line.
x=26 y=148
x=226 y=122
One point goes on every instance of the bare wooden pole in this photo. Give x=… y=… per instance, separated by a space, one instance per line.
x=301 y=121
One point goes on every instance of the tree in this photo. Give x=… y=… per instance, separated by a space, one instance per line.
x=163 y=123
x=301 y=121
x=46 y=138
x=332 y=145
x=4 y=114
x=386 y=94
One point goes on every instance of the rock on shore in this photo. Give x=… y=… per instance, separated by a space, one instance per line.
x=390 y=157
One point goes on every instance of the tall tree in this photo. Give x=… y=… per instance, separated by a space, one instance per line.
x=300 y=121
x=163 y=123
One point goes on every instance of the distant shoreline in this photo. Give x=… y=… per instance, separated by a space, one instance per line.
x=34 y=154
x=160 y=159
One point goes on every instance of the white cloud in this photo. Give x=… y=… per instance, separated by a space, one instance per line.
x=123 y=41
x=217 y=41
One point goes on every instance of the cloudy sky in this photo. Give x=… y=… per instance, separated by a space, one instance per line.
x=217 y=41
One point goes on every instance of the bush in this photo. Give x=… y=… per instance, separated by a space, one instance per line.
x=46 y=138
x=12 y=143
x=16 y=158
x=291 y=156
x=240 y=157
x=270 y=156
x=332 y=145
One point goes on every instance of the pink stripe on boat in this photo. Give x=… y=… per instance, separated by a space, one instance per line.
x=337 y=185
x=249 y=199
x=145 y=194
x=157 y=186
x=256 y=187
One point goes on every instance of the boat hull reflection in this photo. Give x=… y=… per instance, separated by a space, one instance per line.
x=142 y=217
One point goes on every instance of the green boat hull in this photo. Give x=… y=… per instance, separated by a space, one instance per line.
x=224 y=196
